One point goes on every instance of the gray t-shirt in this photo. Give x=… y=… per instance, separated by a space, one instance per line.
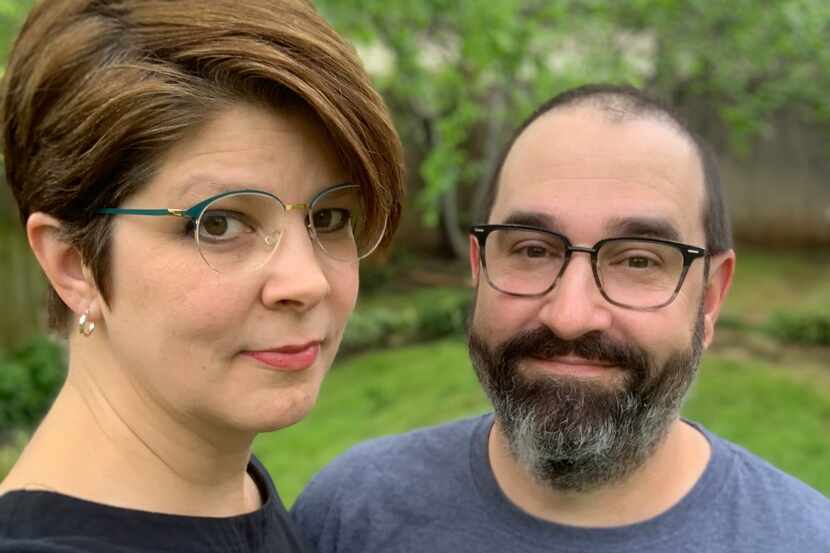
x=432 y=491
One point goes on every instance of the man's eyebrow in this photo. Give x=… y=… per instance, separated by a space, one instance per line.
x=649 y=227
x=532 y=219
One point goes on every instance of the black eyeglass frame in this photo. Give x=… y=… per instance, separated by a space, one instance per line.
x=690 y=253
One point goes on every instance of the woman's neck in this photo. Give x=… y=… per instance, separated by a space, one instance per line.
x=130 y=453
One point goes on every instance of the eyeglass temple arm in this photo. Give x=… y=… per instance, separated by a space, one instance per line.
x=151 y=212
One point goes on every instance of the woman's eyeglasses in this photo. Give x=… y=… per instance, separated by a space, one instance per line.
x=240 y=230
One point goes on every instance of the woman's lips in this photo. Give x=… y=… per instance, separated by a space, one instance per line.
x=288 y=358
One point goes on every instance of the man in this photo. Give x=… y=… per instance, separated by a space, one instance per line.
x=599 y=279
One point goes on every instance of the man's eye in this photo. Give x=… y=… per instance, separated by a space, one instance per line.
x=533 y=251
x=331 y=219
x=639 y=262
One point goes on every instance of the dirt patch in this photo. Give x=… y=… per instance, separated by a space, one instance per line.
x=809 y=362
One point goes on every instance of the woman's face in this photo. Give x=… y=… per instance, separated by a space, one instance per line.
x=242 y=351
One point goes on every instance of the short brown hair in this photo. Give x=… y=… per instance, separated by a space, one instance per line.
x=96 y=90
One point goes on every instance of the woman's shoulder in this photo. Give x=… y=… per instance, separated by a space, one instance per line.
x=41 y=546
x=32 y=521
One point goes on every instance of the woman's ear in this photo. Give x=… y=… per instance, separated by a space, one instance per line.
x=61 y=262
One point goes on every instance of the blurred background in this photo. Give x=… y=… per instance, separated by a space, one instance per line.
x=751 y=76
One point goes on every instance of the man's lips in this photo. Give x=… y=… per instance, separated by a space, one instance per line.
x=578 y=366
x=288 y=358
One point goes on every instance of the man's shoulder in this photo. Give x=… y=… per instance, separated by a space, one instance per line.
x=768 y=478
x=418 y=478
x=401 y=455
x=764 y=490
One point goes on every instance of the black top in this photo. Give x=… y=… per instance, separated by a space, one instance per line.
x=48 y=522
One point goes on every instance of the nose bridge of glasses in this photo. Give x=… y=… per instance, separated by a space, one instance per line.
x=592 y=256
x=272 y=235
x=306 y=207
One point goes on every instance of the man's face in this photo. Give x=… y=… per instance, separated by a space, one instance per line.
x=583 y=389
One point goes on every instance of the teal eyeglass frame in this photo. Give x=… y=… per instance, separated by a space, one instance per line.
x=194 y=212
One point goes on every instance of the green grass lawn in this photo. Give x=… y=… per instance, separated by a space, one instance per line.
x=783 y=417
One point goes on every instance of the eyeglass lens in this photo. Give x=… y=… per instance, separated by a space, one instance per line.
x=239 y=232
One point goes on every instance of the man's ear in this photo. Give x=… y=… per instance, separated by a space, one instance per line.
x=475 y=260
x=62 y=263
x=721 y=271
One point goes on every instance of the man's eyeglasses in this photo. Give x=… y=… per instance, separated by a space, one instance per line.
x=632 y=272
x=239 y=230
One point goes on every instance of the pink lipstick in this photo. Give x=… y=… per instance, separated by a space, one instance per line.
x=288 y=358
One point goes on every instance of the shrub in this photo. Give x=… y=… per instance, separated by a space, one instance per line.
x=10 y=450
x=399 y=319
x=445 y=317
x=379 y=327
x=800 y=328
x=29 y=380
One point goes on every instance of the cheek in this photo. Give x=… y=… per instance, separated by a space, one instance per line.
x=498 y=317
x=662 y=333
x=210 y=306
x=344 y=282
x=175 y=297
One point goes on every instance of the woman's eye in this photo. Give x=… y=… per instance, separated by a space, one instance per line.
x=330 y=219
x=222 y=226
x=215 y=225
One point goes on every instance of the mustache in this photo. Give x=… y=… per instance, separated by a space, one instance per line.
x=542 y=343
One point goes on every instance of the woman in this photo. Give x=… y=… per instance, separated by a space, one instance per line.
x=198 y=180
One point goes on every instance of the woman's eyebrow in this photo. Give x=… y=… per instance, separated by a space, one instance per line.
x=197 y=187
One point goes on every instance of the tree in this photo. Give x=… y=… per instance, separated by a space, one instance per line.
x=463 y=72
x=460 y=74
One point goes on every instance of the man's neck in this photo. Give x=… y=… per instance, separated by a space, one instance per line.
x=662 y=481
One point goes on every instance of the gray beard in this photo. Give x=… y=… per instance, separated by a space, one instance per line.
x=573 y=434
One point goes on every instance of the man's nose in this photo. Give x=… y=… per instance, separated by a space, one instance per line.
x=575 y=306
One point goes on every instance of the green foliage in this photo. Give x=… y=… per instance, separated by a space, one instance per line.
x=462 y=73
x=748 y=59
x=12 y=14
x=10 y=449
x=29 y=380
x=812 y=329
x=396 y=319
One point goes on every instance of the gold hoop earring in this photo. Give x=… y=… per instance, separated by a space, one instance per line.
x=85 y=326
